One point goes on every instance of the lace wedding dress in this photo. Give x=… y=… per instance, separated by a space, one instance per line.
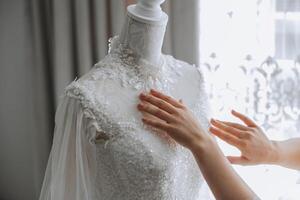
x=102 y=151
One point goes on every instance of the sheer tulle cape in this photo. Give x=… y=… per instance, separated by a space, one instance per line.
x=70 y=172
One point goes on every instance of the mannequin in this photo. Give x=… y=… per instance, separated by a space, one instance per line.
x=111 y=154
x=152 y=26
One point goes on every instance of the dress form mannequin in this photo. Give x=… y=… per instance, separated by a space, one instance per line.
x=116 y=156
x=144 y=30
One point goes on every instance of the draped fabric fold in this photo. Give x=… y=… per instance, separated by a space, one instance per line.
x=70 y=172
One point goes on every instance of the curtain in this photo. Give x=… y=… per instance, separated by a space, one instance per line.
x=182 y=35
x=25 y=111
x=81 y=29
x=250 y=55
x=44 y=45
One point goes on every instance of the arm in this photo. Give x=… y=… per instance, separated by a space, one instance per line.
x=255 y=146
x=288 y=152
x=219 y=174
x=172 y=117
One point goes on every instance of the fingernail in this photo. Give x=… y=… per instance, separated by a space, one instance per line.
x=153 y=90
x=142 y=95
x=139 y=106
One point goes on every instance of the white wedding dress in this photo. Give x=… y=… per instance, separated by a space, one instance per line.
x=101 y=149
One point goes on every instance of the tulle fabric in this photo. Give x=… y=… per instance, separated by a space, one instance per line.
x=70 y=172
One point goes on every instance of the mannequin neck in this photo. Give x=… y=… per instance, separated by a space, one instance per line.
x=144 y=39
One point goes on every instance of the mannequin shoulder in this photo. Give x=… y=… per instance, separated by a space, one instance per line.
x=92 y=82
x=185 y=70
x=96 y=88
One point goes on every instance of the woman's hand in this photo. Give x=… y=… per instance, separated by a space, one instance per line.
x=250 y=139
x=172 y=117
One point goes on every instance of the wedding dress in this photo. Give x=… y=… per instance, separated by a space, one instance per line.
x=102 y=150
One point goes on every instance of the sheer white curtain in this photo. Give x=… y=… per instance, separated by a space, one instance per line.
x=250 y=55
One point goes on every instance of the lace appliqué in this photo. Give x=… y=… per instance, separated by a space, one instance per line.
x=84 y=93
x=132 y=71
x=97 y=110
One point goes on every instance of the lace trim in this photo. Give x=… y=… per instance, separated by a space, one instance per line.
x=132 y=71
x=127 y=57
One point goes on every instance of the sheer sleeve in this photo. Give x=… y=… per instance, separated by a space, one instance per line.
x=70 y=172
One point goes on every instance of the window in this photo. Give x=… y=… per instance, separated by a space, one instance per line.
x=250 y=57
x=287 y=23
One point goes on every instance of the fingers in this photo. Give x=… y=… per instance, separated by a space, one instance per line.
x=157 y=124
x=166 y=98
x=244 y=118
x=158 y=102
x=228 y=129
x=161 y=114
x=238 y=160
x=227 y=137
x=235 y=125
x=161 y=133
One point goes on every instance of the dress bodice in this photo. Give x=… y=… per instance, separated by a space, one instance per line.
x=101 y=149
x=133 y=161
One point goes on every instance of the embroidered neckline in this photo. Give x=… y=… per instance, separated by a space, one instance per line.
x=123 y=65
x=118 y=51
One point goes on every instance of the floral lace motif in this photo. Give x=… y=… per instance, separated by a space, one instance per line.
x=132 y=71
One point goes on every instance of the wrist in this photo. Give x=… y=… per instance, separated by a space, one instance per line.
x=275 y=153
x=203 y=144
